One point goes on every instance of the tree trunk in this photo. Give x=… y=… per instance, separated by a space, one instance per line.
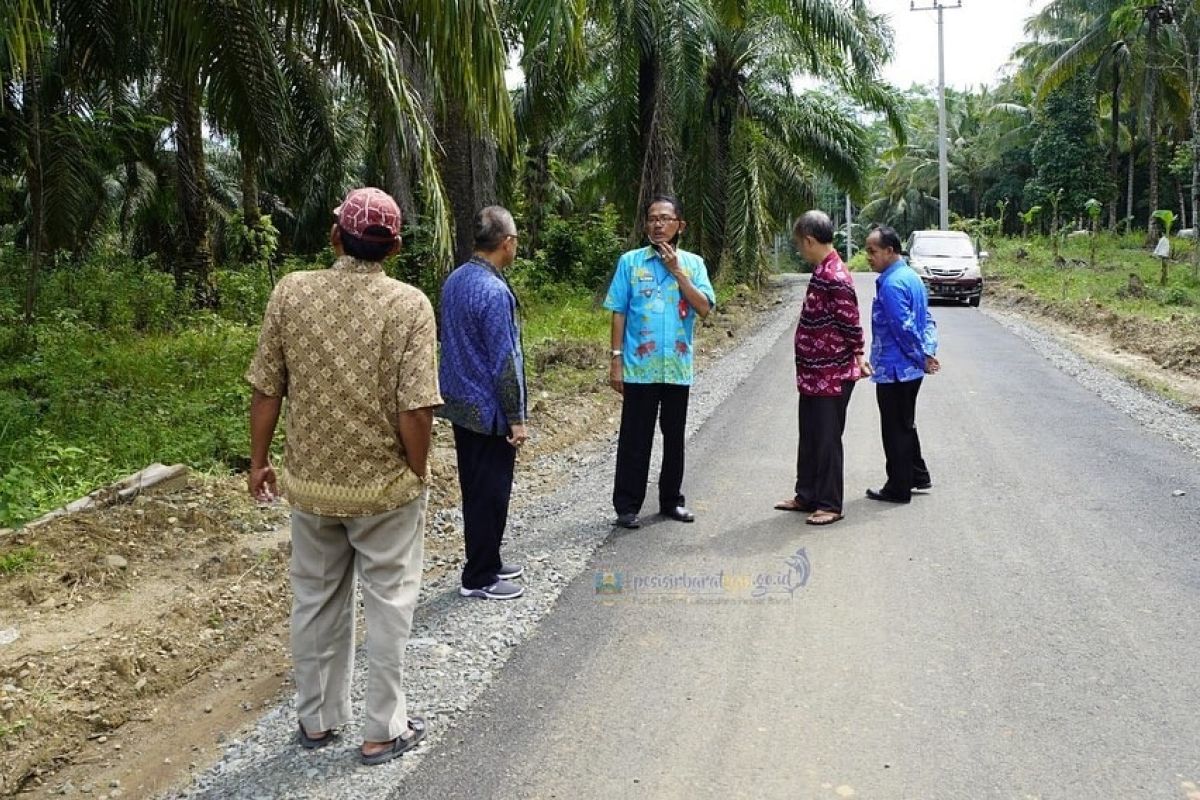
x=1129 y=191
x=402 y=168
x=1114 y=159
x=132 y=182
x=469 y=174
x=1193 y=63
x=32 y=101
x=537 y=178
x=255 y=250
x=717 y=224
x=398 y=172
x=1152 y=113
x=657 y=160
x=195 y=257
x=1183 y=215
x=251 y=213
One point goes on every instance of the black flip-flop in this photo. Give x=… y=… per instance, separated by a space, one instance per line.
x=309 y=743
x=399 y=745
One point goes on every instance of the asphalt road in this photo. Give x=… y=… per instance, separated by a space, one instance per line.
x=1030 y=629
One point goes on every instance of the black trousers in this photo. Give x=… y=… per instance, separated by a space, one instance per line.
x=485 y=475
x=641 y=405
x=901 y=445
x=819 y=458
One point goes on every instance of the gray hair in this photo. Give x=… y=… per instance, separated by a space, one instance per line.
x=816 y=224
x=493 y=225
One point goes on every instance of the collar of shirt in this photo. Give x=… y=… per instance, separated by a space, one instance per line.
x=480 y=261
x=483 y=262
x=357 y=266
x=897 y=264
x=828 y=262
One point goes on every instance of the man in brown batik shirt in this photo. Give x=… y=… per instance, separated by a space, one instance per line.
x=354 y=353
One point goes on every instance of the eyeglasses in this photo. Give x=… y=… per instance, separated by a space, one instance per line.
x=512 y=236
x=661 y=220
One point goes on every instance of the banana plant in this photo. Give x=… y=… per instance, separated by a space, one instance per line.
x=1093 y=207
x=1028 y=218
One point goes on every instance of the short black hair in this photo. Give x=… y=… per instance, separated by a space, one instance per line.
x=666 y=198
x=816 y=224
x=888 y=237
x=492 y=228
x=364 y=250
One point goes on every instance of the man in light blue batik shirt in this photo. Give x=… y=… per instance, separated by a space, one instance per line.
x=655 y=296
x=903 y=351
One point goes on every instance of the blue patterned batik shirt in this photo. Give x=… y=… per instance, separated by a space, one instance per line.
x=903 y=332
x=658 y=319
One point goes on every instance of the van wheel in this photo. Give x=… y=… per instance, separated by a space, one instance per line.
x=974 y=301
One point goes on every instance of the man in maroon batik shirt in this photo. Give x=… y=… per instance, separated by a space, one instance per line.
x=829 y=359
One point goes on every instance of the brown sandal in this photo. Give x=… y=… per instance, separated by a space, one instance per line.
x=790 y=505
x=823 y=517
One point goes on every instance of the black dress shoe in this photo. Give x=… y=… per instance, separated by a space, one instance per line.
x=678 y=513
x=884 y=497
x=629 y=520
x=923 y=487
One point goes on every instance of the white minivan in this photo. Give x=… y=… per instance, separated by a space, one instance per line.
x=947 y=263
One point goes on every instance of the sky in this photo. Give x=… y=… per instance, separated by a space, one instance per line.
x=979 y=37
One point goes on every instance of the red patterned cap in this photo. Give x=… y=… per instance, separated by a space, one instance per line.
x=369 y=208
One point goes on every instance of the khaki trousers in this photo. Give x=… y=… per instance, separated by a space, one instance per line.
x=387 y=551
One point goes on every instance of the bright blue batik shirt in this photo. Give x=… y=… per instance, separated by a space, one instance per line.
x=658 y=318
x=903 y=332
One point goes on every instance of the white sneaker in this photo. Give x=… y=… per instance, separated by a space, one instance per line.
x=500 y=590
x=510 y=571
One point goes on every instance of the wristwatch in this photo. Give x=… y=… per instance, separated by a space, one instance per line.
x=618 y=353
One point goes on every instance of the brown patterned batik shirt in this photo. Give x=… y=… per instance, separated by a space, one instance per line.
x=350 y=348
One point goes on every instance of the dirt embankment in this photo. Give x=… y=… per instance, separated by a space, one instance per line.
x=148 y=633
x=1162 y=354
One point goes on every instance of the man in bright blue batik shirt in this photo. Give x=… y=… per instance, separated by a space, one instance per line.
x=655 y=296
x=903 y=351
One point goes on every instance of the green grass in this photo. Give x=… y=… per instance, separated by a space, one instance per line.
x=562 y=313
x=84 y=408
x=81 y=406
x=1030 y=266
x=16 y=727
x=21 y=560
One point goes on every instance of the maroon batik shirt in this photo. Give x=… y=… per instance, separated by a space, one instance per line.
x=829 y=335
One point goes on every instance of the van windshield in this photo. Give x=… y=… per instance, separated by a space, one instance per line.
x=943 y=248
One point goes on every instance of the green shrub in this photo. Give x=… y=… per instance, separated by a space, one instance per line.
x=1177 y=296
x=112 y=293
x=580 y=251
x=242 y=294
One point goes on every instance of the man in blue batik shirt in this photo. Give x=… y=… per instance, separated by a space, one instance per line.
x=903 y=351
x=483 y=374
x=655 y=296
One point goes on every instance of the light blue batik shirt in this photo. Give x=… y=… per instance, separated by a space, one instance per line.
x=659 y=320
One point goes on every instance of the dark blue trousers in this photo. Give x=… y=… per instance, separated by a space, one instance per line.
x=485 y=476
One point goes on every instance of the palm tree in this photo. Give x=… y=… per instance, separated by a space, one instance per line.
x=757 y=146
x=1105 y=36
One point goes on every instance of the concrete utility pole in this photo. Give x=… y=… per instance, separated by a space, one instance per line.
x=943 y=179
x=849 y=229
